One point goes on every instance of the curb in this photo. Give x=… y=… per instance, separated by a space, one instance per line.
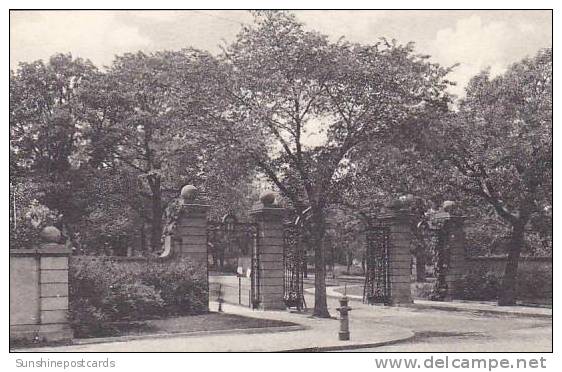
x=480 y=311
x=316 y=349
x=452 y=308
x=101 y=340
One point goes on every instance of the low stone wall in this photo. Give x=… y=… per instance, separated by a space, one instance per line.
x=39 y=293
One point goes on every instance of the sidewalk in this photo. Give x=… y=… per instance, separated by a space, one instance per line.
x=370 y=327
x=458 y=305
x=317 y=335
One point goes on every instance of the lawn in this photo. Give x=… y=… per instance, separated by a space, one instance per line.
x=355 y=290
x=419 y=290
x=185 y=324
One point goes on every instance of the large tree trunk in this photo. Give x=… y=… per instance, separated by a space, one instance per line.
x=318 y=227
x=364 y=264
x=143 y=237
x=509 y=282
x=306 y=264
x=349 y=261
x=156 y=200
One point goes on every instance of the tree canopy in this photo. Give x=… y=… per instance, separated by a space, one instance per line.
x=332 y=125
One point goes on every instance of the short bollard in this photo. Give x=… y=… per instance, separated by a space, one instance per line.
x=220 y=300
x=344 y=318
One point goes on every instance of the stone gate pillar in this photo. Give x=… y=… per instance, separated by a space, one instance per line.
x=455 y=250
x=399 y=256
x=39 y=290
x=269 y=218
x=189 y=235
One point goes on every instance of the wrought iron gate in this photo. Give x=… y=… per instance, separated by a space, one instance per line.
x=294 y=261
x=377 y=277
x=255 y=273
x=235 y=249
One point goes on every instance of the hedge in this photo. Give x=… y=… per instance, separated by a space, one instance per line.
x=103 y=290
x=532 y=286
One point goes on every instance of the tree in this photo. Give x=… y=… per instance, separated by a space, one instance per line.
x=345 y=231
x=284 y=83
x=147 y=114
x=45 y=129
x=498 y=149
x=133 y=122
x=108 y=149
x=112 y=221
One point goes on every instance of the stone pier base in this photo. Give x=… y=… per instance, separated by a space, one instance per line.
x=400 y=257
x=39 y=294
x=270 y=244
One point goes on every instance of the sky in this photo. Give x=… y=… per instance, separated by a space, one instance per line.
x=474 y=39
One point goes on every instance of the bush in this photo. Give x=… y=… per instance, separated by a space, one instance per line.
x=87 y=319
x=103 y=290
x=182 y=287
x=482 y=285
x=479 y=285
x=131 y=301
x=534 y=285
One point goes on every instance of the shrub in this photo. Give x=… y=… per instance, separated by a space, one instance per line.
x=88 y=319
x=132 y=301
x=103 y=290
x=182 y=286
x=485 y=285
x=479 y=285
x=534 y=285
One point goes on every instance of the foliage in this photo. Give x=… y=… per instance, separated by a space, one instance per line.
x=441 y=258
x=330 y=124
x=489 y=235
x=182 y=286
x=111 y=212
x=108 y=149
x=479 y=285
x=44 y=121
x=345 y=236
x=153 y=126
x=283 y=83
x=27 y=216
x=482 y=285
x=534 y=285
x=104 y=290
x=45 y=127
x=497 y=149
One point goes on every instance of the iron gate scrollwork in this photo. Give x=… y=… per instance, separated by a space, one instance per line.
x=255 y=274
x=294 y=261
x=234 y=248
x=377 y=278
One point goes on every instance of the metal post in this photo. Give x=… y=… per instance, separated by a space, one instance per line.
x=344 y=317
x=220 y=299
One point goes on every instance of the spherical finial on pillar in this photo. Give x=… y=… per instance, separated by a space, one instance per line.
x=448 y=205
x=267 y=198
x=188 y=192
x=403 y=202
x=393 y=204
x=407 y=200
x=50 y=234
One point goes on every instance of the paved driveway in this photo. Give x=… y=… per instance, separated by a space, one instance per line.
x=452 y=331
x=415 y=329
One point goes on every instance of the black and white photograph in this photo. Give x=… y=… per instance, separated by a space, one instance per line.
x=281 y=180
